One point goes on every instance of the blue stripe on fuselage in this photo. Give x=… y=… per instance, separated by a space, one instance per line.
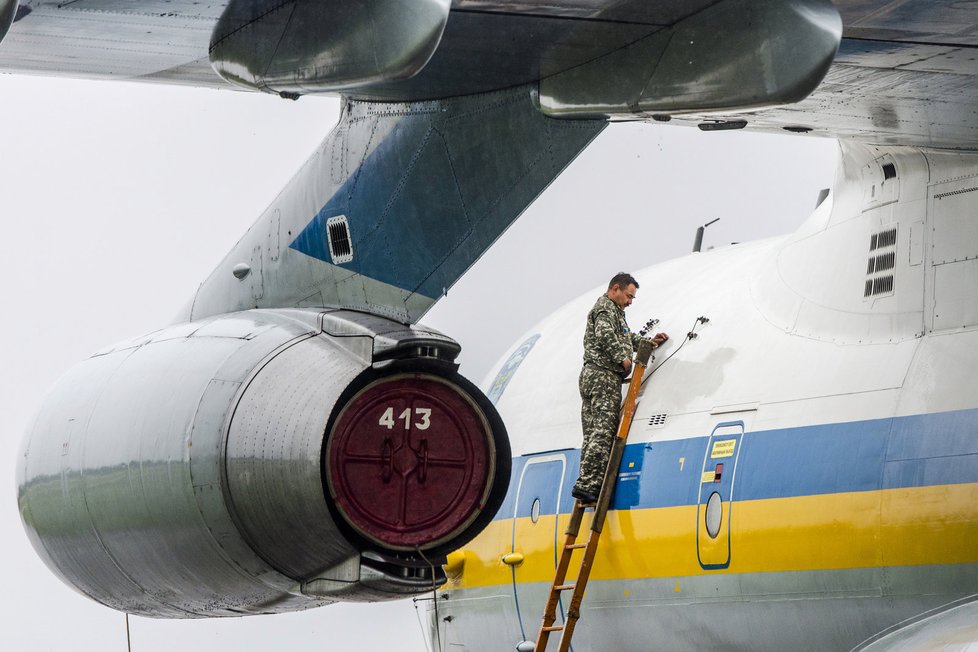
x=914 y=451
x=382 y=201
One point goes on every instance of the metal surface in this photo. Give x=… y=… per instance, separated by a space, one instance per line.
x=410 y=461
x=850 y=456
x=180 y=474
x=8 y=11
x=904 y=73
x=424 y=188
x=119 y=482
x=578 y=585
x=772 y=52
x=952 y=628
x=300 y=46
x=540 y=482
x=780 y=614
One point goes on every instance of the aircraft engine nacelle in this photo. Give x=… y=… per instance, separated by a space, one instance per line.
x=8 y=11
x=295 y=47
x=260 y=462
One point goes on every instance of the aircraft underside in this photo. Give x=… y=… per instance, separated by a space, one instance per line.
x=903 y=73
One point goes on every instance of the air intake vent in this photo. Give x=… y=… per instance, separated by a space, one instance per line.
x=883 y=239
x=878 y=285
x=340 y=243
x=882 y=247
x=657 y=420
x=955 y=192
x=882 y=285
x=889 y=171
x=881 y=263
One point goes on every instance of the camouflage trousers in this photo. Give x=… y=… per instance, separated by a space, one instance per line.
x=600 y=405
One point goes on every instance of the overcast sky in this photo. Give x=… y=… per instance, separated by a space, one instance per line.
x=118 y=198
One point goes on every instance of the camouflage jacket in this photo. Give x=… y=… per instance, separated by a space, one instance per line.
x=607 y=338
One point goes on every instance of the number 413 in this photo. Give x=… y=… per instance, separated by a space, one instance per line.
x=422 y=416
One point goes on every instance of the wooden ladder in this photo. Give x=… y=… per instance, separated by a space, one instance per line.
x=590 y=547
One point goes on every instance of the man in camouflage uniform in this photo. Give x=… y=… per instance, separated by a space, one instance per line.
x=608 y=347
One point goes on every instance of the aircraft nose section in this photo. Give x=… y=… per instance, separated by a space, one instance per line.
x=410 y=461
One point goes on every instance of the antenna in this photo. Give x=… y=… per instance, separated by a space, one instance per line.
x=698 y=242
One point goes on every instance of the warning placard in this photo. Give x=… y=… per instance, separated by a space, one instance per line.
x=723 y=448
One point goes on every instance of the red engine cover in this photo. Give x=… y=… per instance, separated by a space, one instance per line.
x=410 y=461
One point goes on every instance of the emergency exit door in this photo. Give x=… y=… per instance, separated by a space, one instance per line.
x=715 y=511
x=535 y=537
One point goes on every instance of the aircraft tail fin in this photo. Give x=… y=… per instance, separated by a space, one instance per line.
x=397 y=202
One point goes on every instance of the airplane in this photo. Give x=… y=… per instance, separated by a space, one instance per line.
x=403 y=197
x=114 y=204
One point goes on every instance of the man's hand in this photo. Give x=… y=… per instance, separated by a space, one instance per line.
x=627 y=364
x=660 y=339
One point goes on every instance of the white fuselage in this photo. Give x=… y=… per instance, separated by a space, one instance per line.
x=837 y=366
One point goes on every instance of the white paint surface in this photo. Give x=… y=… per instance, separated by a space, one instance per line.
x=117 y=199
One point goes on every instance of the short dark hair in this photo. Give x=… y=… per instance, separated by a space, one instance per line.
x=622 y=280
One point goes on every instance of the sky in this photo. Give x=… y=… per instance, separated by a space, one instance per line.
x=117 y=199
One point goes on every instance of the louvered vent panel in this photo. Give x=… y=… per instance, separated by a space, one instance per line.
x=340 y=243
x=882 y=249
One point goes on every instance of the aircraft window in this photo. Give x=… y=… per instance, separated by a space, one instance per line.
x=714 y=514
x=535 y=510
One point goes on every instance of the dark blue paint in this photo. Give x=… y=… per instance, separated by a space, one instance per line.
x=916 y=451
x=933 y=435
x=811 y=460
x=930 y=471
x=540 y=481
x=441 y=186
x=383 y=202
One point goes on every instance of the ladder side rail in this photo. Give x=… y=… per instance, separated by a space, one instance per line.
x=618 y=446
x=597 y=520
x=574 y=609
x=550 y=612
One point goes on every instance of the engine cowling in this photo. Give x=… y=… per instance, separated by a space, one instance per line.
x=261 y=462
x=8 y=13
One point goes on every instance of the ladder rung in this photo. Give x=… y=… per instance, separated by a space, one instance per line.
x=600 y=509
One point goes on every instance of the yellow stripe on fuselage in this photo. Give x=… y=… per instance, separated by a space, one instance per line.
x=894 y=527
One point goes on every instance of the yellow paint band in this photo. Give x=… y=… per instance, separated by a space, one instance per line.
x=894 y=527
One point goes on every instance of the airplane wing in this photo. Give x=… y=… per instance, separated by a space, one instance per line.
x=439 y=161
x=904 y=73
x=953 y=628
x=456 y=114
x=486 y=45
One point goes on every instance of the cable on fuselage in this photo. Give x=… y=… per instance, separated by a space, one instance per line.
x=690 y=335
x=434 y=599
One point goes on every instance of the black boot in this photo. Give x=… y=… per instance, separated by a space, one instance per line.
x=586 y=497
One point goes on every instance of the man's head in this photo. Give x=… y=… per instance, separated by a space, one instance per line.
x=622 y=289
